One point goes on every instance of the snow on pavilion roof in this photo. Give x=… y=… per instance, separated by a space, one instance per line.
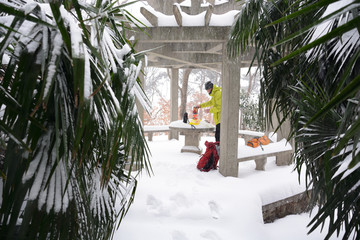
x=204 y=15
x=185 y=34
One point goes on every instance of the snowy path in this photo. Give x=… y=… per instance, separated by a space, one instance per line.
x=181 y=203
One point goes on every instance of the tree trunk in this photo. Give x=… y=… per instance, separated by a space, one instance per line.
x=183 y=90
x=201 y=93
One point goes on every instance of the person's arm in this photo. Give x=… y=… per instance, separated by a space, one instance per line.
x=207 y=104
x=217 y=107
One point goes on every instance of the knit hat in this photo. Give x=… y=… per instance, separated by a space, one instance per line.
x=208 y=85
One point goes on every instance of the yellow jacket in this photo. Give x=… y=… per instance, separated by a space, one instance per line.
x=215 y=102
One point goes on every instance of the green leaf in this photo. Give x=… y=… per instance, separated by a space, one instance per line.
x=312 y=25
x=5 y=8
x=303 y=11
x=347 y=92
x=60 y=24
x=13 y=136
x=355 y=160
x=349 y=134
x=334 y=33
x=83 y=137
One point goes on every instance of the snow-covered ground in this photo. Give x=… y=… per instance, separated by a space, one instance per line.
x=181 y=203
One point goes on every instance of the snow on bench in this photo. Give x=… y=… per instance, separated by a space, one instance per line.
x=282 y=150
x=150 y=130
x=248 y=135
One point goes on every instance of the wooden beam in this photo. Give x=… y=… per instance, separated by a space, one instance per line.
x=203 y=46
x=149 y=16
x=216 y=49
x=181 y=41
x=189 y=57
x=210 y=34
x=168 y=63
x=195 y=64
x=177 y=14
x=200 y=52
x=210 y=47
x=212 y=67
x=208 y=14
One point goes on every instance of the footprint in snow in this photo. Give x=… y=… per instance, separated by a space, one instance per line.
x=153 y=204
x=214 y=209
x=178 y=235
x=180 y=200
x=211 y=235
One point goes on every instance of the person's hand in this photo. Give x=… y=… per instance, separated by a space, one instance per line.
x=207 y=110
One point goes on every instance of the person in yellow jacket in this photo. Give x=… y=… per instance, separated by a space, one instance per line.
x=215 y=102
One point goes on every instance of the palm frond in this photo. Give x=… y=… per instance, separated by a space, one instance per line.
x=310 y=55
x=74 y=127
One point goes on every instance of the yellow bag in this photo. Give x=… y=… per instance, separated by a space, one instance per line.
x=194 y=121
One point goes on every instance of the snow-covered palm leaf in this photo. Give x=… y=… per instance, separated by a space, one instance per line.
x=67 y=95
x=246 y=25
x=252 y=29
x=332 y=63
x=310 y=57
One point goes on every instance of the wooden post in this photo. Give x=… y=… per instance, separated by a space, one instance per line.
x=229 y=125
x=138 y=105
x=174 y=87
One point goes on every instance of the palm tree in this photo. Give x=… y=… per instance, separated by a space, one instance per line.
x=309 y=51
x=68 y=84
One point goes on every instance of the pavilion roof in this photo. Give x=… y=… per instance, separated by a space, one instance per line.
x=192 y=36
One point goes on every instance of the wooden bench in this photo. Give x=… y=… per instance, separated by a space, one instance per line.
x=150 y=130
x=282 y=150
